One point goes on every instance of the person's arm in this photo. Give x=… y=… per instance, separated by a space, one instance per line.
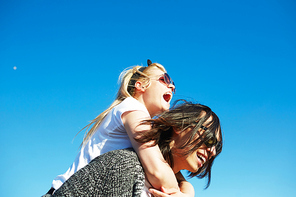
x=186 y=189
x=157 y=170
x=185 y=186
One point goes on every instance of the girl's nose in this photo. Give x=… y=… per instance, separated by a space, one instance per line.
x=212 y=151
x=173 y=88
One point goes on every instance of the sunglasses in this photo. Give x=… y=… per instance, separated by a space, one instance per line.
x=212 y=141
x=167 y=80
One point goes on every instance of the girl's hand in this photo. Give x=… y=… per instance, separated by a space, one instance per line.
x=165 y=193
x=157 y=193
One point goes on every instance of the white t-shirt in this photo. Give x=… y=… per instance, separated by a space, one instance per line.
x=111 y=135
x=145 y=192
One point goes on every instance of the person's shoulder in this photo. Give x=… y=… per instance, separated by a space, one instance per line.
x=130 y=100
x=117 y=156
x=131 y=104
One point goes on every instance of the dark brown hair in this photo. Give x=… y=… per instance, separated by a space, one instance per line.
x=181 y=116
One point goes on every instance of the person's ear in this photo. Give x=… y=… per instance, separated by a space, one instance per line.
x=176 y=131
x=139 y=86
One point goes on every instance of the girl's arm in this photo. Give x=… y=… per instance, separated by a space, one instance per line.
x=185 y=187
x=157 y=171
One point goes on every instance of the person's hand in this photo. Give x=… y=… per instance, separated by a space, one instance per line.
x=165 y=193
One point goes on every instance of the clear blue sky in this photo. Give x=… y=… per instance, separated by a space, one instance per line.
x=60 y=60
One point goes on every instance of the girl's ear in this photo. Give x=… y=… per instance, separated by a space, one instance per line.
x=175 y=138
x=176 y=131
x=139 y=86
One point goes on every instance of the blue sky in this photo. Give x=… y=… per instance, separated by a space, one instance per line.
x=60 y=60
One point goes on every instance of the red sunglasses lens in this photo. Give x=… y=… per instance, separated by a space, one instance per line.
x=168 y=80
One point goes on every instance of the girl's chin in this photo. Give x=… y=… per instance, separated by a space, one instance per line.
x=166 y=105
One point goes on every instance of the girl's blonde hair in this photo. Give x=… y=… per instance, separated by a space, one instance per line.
x=127 y=79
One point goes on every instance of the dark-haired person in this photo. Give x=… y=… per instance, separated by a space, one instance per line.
x=189 y=137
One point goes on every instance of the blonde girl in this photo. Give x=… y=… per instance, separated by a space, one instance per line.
x=144 y=92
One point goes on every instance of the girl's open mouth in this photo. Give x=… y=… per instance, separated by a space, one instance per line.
x=167 y=97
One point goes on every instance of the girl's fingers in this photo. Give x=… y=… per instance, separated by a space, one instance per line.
x=157 y=193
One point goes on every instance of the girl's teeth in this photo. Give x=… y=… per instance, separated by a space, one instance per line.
x=201 y=158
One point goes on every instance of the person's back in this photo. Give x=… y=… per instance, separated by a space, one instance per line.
x=116 y=173
x=110 y=135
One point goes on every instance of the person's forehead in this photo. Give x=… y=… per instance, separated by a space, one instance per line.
x=208 y=120
x=218 y=133
x=218 y=136
x=155 y=72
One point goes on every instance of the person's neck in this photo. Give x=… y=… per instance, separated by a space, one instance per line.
x=140 y=98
